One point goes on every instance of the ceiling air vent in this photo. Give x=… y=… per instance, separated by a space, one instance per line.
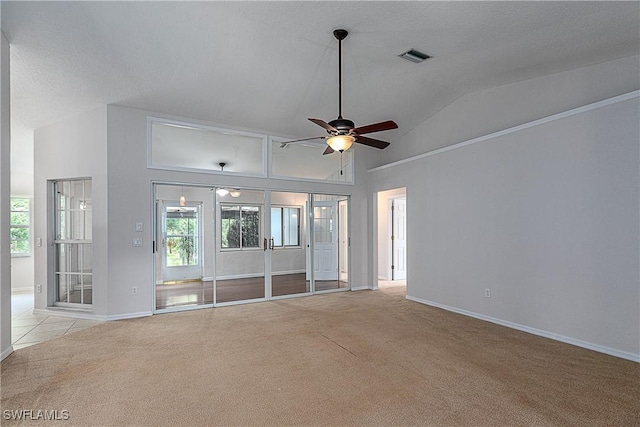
x=414 y=56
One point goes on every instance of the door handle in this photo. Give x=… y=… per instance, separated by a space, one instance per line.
x=264 y=244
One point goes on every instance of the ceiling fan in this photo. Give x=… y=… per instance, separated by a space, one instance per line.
x=341 y=132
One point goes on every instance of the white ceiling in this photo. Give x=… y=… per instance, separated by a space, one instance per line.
x=270 y=65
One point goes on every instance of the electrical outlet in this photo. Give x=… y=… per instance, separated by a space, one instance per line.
x=487 y=293
x=137 y=242
x=38 y=288
x=134 y=290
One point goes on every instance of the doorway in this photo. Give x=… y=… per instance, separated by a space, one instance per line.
x=183 y=252
x=392 y=237
x=330 y=243
x=182 y=236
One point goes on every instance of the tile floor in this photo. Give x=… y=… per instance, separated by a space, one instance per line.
x=29 y=329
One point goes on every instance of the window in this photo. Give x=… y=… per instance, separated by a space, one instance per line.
x=73 y=268
x=240 y=226
x=285 y=226
x=191 y=147
x=20 y=226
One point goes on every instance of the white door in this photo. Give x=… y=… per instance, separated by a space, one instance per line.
x=325 y=240
x=181 y=241
x=399 y=237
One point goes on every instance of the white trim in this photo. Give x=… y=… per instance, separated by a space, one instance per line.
x=129 y=315
x=361 y=288
x=546 y=334
x=51 y=311
x=65 y=312
x=251 y=275
x=558 y=116
x=6 y=353
x=241 y=276
x=282 y=273
x=22 y=290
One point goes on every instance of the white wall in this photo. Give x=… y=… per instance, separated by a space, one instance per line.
x=494 y=109
x=5 y=190
x=547 y=217
x=72 y=148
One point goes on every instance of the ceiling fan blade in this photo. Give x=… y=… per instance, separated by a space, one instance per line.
x=303 y=139
x=377 y=127
x=324 y=124
x=372 y=142
x=328 y=150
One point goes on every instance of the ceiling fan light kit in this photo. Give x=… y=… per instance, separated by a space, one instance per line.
x=340 y=142
x=342 y=133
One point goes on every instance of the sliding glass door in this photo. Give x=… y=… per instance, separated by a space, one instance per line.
x=183 y=247
x=221 y=245
x=289 y=244
x=241 y=244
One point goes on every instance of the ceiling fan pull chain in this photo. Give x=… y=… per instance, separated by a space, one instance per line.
x=341 y=163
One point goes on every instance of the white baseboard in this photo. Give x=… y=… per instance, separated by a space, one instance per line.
x=6 y=353
x=546 y=334
x=252 y=275
x=75 y=314
x=129 y=315
x=360 y=288
x=65 y=312
x=244 y=276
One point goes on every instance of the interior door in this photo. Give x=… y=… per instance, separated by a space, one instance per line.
x=399 y=271
x=325 y=243
x=181 y=240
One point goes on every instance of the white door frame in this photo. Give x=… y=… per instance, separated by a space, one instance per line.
x=397 y=269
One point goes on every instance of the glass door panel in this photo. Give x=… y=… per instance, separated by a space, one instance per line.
x=181 y=243
x=330 y=242
x=184 y=246
x=240 y=245
x=290 y=273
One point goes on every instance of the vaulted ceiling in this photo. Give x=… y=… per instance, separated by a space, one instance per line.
x=270 y=65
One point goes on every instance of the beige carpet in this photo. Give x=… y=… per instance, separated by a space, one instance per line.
x=356 y=358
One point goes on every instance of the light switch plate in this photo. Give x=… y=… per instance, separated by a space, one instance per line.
x=139 y=226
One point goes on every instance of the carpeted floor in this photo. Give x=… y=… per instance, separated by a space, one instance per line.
x=355 y=358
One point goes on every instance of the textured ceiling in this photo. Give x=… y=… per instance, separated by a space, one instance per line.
x=270 y=65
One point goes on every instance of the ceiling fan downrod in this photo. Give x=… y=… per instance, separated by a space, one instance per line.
x=340 y=35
